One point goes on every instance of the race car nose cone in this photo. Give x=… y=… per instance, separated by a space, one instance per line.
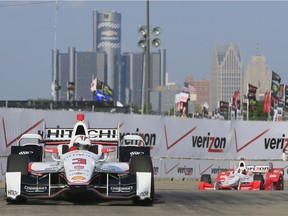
x=80 y=117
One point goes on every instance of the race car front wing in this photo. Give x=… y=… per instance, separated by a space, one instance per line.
x=19 y=187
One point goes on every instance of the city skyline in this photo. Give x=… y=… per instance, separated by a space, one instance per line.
x=28 y=37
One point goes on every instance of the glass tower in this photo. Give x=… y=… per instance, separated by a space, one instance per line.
x=107 y=38
x=226 y=74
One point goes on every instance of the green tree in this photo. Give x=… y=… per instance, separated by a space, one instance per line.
x=257 y=114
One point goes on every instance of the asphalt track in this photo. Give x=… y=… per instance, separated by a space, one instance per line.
x=172 y=198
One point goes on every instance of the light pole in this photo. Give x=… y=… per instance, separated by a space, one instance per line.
x=147 y=58
x=144 y=43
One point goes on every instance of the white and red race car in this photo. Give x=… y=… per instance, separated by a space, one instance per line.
x=253 y=177
x=79 y=167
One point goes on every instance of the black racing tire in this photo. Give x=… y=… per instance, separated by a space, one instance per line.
x=94 y=149
x=18 y=163
x=206 y=178
x=261 y=178
x=281 y=182
x=143 y=163
x=65 y=149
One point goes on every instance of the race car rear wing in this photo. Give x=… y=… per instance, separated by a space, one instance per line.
x=263 y=168
x=108 y=136
x=103 y=136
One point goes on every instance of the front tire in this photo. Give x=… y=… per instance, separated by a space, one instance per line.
x=17 y=163
x=143 y=163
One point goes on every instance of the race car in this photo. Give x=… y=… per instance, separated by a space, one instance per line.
x=245 y=178
x=80 y=166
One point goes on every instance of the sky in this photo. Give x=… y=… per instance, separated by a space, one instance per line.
x=190 y=30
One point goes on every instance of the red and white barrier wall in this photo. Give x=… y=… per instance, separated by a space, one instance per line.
x=181 y=148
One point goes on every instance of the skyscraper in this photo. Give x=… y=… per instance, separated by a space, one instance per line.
x=123 y=73
x=133 y=69
x=226 y=75
x=132 y=73
x=259 y=75
x=75 y=71
x=107 y=38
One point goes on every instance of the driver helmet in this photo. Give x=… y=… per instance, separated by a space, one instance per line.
x=242 y=167
x=82 y=142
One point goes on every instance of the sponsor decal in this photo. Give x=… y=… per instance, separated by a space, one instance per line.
x=12 y=192
x=72 y=173
x=123 y=189
x=218 y=170
x=185 y=170
x=102 y=133
x=257 y=168
x=272 y=175
x=144 y=194
x=78 y=178
x=78 y=167
x=58 y=133
x=79 y=161
x=77 y=172
x=25 y=152
x=223 y=176
x=149 y=138
x=51 y=169
x=276 y=143
x=35 y=189
x=214 y=144
x=136 y=153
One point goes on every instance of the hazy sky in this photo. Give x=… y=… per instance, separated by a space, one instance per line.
x=190 y=30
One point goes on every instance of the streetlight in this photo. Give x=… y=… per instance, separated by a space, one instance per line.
x=142 y=30
x=144 y=43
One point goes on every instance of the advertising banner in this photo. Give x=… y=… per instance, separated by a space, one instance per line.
x=192 y=142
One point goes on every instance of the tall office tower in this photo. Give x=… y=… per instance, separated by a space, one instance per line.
x=107 y=38
x=157 y=68
x=259 y=75
x=132 y=74
x=158 y=78
x=226 y=75
x=163 y=73
x=133 y=71
x=75 y=71
x=163 y=98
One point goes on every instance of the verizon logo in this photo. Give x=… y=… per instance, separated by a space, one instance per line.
x=212 y=143
x=276 y=143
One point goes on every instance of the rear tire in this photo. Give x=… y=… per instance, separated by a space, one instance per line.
x=94 y=149
x=261 y=179
x=143 y=163
x=18 y=163
x=281 y=183
x=206 y=178
x=65 y=149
